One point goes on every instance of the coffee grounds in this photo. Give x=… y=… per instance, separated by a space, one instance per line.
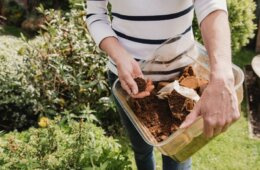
x=177 y=104
x=155 y=114
x=141 y=84
x=163 y=117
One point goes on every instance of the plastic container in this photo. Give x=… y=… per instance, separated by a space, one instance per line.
x=184 y=142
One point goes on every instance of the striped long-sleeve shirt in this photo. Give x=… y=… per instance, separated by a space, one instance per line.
x=142 y=25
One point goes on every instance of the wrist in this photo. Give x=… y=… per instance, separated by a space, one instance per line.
x=221 y=68
x=225 y=75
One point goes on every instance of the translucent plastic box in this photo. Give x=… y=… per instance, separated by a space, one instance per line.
x=184 y=142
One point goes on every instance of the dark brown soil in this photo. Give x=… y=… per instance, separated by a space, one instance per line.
x=156 y=115
x=163 y=117
x=179 y=105
x=141 y=83
x=252 y=84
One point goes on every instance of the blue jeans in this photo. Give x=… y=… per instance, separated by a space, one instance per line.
x=143 y=152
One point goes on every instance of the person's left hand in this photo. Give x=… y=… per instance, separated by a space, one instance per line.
x=218 y=106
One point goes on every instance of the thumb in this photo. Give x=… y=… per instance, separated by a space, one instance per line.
x=192 y=116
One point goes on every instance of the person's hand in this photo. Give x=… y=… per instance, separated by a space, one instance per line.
x=128 y=69
x=218 y=106
x=149 y=87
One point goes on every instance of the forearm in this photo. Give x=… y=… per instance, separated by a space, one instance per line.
x=113 y=48
x=217 y=39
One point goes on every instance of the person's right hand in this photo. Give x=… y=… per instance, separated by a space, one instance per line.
x=128 y=69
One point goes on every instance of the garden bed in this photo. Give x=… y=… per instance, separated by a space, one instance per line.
x=252 y=87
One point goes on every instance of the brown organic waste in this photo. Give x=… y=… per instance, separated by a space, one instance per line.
x=141 y=83
x=163 y=117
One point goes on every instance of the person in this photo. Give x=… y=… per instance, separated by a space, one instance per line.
x=137 y=29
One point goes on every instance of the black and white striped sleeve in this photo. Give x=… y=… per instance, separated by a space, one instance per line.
x=98 y=21
x=204 y=7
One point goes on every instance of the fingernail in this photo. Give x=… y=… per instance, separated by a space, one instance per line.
x=135 y=91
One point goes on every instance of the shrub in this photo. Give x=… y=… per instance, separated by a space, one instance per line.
x=241 y=17
x=62 y=73
x=18 y=98
x=67 y=68
x=79 y=145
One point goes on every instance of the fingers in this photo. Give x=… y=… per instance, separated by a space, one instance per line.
x=225 y=128
x=192 y=116
x=227 y=125
x=141 y=95
x=125 y=87
x=131 y=88
x=149 y=85
x=217 y=130
x=128 y=84
x=148 y=89
x=208 y=130
x=214 y=125
x=132 y=85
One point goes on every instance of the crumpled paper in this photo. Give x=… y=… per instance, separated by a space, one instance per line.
x=186 y=92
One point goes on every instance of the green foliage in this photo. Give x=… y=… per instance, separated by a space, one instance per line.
x=77 y=4
x=18 y=99
x=78 y=145
x=63 y=73
x=14 y=12
x=67 y=68
x=241 y=17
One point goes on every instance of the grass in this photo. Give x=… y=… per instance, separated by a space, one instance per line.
x=243 y=57
x=232 y=150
